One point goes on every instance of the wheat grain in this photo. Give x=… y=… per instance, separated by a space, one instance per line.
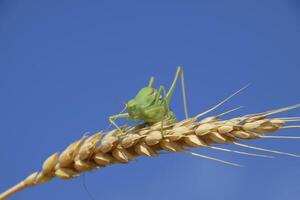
x=103 y=149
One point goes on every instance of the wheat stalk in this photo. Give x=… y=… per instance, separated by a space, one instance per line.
x=104 y=149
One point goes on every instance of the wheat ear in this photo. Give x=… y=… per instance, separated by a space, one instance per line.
x=104 y=149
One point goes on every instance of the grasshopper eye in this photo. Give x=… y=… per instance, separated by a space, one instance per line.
x=133 y=107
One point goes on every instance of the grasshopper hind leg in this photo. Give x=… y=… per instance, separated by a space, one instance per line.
x=179 y=74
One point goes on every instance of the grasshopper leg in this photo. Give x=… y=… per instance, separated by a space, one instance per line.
x=115 y=117
x=158 y=97
x=151 y=82
x=179 y=72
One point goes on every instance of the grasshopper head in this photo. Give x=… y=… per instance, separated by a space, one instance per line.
x=144 y=98
x=133 y=109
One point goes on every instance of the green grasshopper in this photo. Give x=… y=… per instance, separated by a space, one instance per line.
x=150 y=106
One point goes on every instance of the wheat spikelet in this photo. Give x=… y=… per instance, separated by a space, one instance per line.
x=104 y=149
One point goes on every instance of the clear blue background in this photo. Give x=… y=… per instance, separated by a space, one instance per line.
x=65 y=66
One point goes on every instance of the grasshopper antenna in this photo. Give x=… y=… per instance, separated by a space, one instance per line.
x=123 y=103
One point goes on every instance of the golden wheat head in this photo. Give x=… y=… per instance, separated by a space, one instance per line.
x=104 y=149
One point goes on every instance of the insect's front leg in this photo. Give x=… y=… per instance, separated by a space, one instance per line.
x=158 y=97
x=115 y=117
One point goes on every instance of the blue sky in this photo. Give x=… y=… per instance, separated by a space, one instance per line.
x=66 y=66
